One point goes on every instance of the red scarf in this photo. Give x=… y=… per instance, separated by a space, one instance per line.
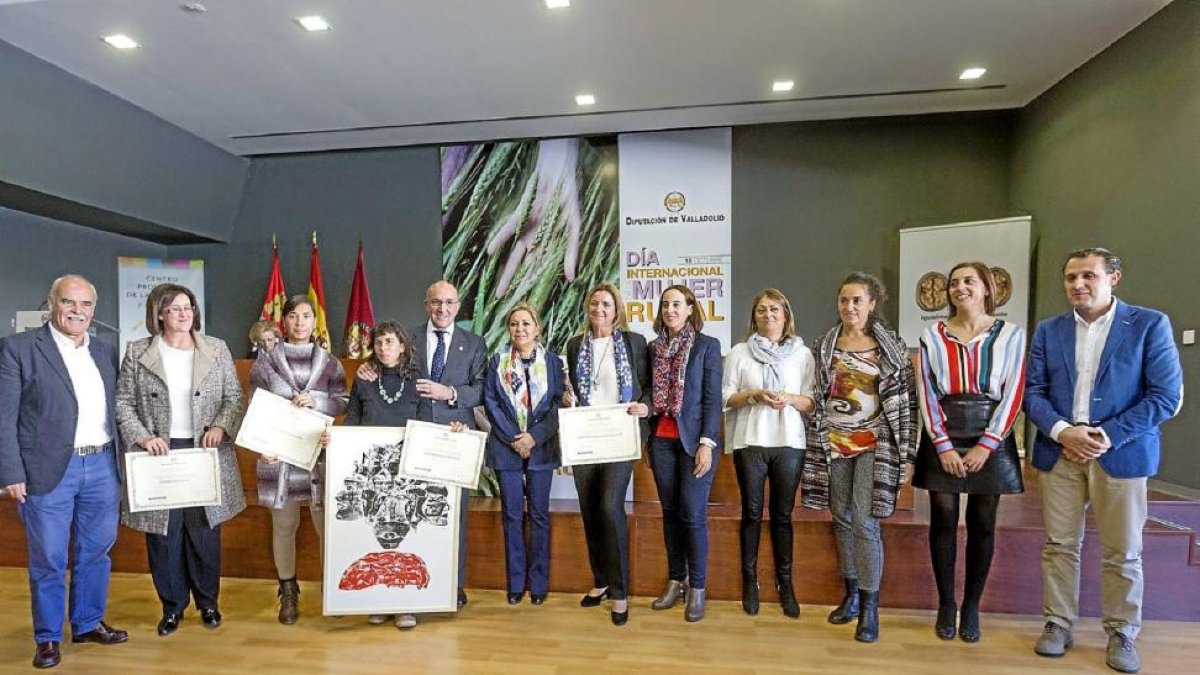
x=670 y=364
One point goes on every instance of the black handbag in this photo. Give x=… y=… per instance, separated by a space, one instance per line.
x=967 y=417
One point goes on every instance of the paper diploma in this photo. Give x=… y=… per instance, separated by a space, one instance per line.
x=434 y=453
x=273 y=426
x=179 y=479
x=599 y=434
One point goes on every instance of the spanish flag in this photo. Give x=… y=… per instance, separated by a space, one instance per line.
x=316 y=295
x=360 y=316
x=272 y=309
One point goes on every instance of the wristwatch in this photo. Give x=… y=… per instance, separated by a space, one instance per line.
x=453 y=400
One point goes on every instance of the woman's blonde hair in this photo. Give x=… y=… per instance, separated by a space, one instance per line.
x=789 y=325
x=621 y=323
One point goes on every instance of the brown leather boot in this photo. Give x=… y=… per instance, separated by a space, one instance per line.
x=289 y=601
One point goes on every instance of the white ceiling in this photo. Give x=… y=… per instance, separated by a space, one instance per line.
x=245 y=77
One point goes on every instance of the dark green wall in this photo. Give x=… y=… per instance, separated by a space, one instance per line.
x=1111 y=157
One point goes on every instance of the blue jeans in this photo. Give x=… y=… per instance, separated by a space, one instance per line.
x=517 y=488
x=684 y=500
x=85 y=503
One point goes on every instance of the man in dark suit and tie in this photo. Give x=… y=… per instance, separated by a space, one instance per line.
x=57 y=461
x=1100 y=381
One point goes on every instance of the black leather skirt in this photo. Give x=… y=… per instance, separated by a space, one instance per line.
x=966 y=417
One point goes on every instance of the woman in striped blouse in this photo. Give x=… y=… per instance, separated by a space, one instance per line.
x=972 y=377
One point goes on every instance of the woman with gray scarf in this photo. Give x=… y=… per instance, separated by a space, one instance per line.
x=767 y=384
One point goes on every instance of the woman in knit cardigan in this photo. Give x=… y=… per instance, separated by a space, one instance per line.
x=866 y=428
x=301 y=371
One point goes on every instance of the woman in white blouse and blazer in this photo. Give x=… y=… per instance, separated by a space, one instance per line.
x=767 y=385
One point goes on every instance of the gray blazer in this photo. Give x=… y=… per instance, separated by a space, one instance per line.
x=144 y=410
x=465 y=362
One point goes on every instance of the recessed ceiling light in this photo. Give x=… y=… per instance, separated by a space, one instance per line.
x=585 y=99
x=782 y=85
x=557 y=4
x=120 y=41
x=313 y=23
x=972 y=73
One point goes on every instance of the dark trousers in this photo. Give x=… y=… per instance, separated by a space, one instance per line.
x=464 y=505
x=684 y=500
x=518 y=488
x=601 y=489
x=80 y=515
x=755 y=466
x=186 y=561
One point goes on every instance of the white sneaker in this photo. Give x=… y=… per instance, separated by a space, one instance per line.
x=406 y=621
x=379 y=619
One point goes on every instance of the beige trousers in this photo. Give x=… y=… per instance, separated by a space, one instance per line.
x=284 y=524
x=1119 y=508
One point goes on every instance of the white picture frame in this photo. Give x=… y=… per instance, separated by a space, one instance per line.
x=391 y=544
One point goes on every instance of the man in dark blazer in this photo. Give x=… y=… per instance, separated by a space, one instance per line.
x=1100 y=381
x=450 y=383
x=58 y=462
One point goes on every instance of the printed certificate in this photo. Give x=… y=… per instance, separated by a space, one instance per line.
x=179 y=479
x=435 y=454
x=273 y=426
x=599 y=434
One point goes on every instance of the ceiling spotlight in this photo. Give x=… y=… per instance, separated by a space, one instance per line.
x=585 y=99
x=972 y=73
x=313 y=23
x=557 y=4
x=120 y=41
x=782 y=85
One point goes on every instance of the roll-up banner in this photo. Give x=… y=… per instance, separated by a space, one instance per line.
x=675 y=197
x=136 y=277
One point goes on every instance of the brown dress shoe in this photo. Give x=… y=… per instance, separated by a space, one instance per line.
x=47 y=655
x=102 y=634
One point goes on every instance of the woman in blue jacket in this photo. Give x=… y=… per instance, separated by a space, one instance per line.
x=521 y=396
x=685 y=428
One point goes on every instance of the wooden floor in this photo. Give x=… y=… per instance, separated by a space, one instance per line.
x=558 y=637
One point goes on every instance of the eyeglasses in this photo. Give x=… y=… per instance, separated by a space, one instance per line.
x=441 y=303
x=180 y=309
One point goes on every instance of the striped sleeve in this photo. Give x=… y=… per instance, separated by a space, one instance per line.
x=1008 y=354
x=931 y=362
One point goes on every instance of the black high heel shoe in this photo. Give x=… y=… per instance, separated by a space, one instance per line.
x=620 y=618
x=968 y=625
x=590 y=600
x=945 y=621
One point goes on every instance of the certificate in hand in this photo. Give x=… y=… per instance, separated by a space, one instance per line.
x=434 y=453
x=599 y=434
x=273 y=426
x=179 y=479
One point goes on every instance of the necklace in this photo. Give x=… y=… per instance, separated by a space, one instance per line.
x=600 y=361
x=383 y=393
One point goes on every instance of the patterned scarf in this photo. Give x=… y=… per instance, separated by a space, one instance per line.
x=524 y=396
x=770 y=355
x=584 y=368
x=670 y=364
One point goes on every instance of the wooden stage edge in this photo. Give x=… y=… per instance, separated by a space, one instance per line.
x=1171 y=555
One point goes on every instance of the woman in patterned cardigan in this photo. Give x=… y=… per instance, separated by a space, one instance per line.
x=866 y=429
x=301 y=371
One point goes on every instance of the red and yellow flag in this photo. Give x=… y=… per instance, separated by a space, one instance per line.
x=316 y=295
x=272 y=309
x=360 y=316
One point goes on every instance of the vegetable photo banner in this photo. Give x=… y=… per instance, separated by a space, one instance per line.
x=928 y=253
x=675 y=224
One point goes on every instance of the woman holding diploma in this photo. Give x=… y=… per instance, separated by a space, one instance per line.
x=972 y=377
x=768 y=383
x=685 y=425
x=310 y=377
x=179 y=389
x=866 y=425
x=609 y=366
x=521 y=397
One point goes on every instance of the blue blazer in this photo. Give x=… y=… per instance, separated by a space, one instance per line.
x=38 y=410
x=543 y=421
x=700 y=414
x=1138 y=386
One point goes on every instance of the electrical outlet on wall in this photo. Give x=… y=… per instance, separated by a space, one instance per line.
x=1189 y=337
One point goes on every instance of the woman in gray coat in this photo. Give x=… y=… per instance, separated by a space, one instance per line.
x=179 y=389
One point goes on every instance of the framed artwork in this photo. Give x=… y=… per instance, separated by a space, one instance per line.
x=391 y=544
